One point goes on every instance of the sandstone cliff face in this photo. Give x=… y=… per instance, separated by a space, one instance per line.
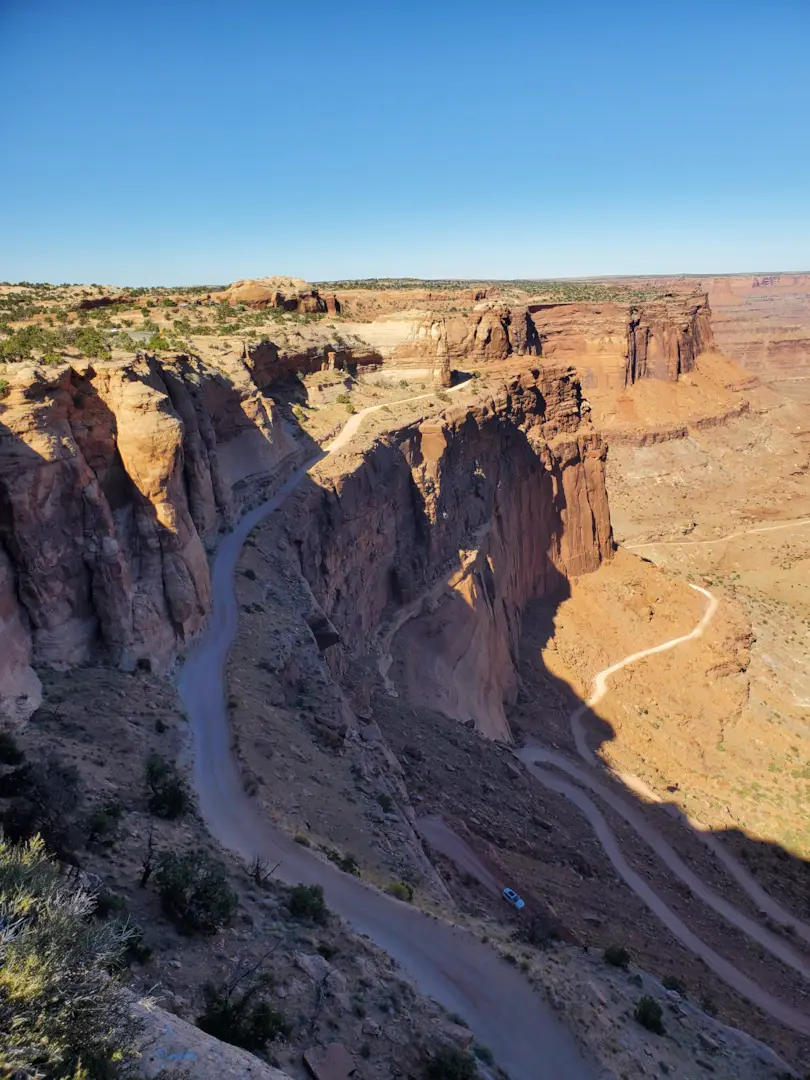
x=763 y=322
x=113 y=479
x=614 y=346
x=269 y=362
x=458 y=522
x=665 y=337
x=490 y=333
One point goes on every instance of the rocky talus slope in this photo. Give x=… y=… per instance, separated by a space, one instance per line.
x=459 y=520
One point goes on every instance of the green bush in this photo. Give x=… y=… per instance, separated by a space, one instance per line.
x=617 y=956
x=449 y=1063
x=347 y=863
x=238 y=1014
x=169 y=796
x=101 y=825
x=43 y=798
x=62 y=1016
x=400 y=891
x=4 y=388
x=138 y=951
x=194 y=891
x=649 y=1015
x=307 y=902
x=386 y=802
x=672 y=982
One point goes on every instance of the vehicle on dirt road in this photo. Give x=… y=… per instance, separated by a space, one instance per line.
x=512 y=898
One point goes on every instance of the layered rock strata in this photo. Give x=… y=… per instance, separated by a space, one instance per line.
x=614 y=346
x=491 y=332
x=113 y=481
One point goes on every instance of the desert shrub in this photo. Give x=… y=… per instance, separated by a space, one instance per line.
x=709 y=1005
x=538 y=930
x=483 y=1053
x=672 y=982
x=102 y=824
x=347 y=863
x=400 y=891
x=43 y=798
x=386 y=802
x=449 y=1063
x=617 y=956
x=307 y=902
x=302 y=839
x=110 y=905
x=62 y=1016
x=442 y=395
x=239 y=1015
x=649 y=1015
x=194 y=891
x=10 y=753
x=343 y=399
x=91 y=342
x=138 y=951
x=4 y=388
x=169 y=796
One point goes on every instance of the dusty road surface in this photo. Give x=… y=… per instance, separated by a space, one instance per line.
x=536 y=759
x=600 y=686
x=742 y=983
x=447 y=963
x=440 y=836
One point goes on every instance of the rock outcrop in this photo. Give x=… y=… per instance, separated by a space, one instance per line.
x=170 y=1046
x=114 y=479
x=290 y=294
x=270 y=362
x=613 y=345
x=491 y=332
x=453 y=524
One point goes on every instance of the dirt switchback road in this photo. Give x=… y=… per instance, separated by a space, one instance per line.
x=537 y=758
x=443 y=961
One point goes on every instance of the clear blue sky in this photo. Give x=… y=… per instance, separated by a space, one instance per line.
x=166 y=141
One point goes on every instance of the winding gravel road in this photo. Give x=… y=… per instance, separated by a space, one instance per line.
x=443 y=961
x=535 y=757
x=600 y=687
